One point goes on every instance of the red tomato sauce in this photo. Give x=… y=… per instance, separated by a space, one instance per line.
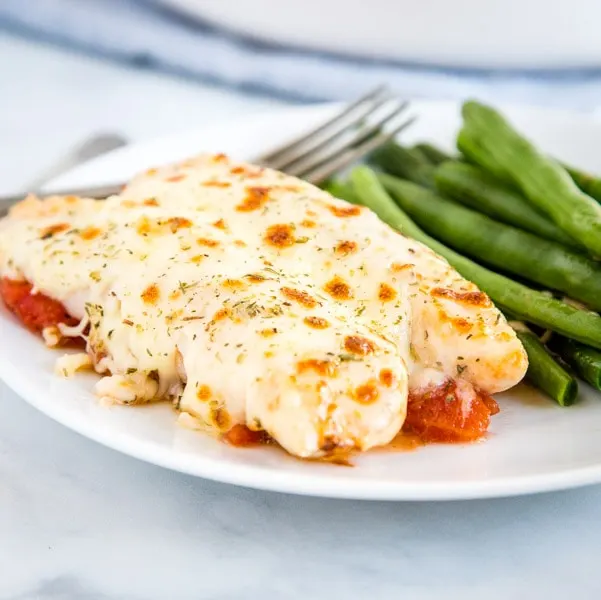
x=241 y=436
x=439 y=415
x=36 y=311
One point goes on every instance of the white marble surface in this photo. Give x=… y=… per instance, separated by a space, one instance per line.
x=78 y=521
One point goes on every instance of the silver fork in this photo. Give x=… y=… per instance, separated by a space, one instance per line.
x=359 y=128
x=91 y=147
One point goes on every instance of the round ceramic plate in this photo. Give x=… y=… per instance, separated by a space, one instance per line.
x=533 y=444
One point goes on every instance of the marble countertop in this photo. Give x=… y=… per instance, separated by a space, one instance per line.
x=79 y=521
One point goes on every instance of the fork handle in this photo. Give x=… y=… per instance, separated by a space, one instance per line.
x=101 y=191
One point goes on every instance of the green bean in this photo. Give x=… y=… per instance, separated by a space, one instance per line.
x=477 y=189
x=341 y=189
x=489 y=140
x=373 y=195
x=417 y=153
x=530 y=305
x=502 y=246
x=588 y=183
x=545 y=373
x=432 y=153
x=585 y=361
x=403 y=162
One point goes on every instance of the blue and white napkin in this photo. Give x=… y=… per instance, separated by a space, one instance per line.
x=145 y=33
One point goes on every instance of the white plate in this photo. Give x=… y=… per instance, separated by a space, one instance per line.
x=469 y=33
x=533 y=445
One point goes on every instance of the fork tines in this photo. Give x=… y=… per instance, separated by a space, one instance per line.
x=350 y=134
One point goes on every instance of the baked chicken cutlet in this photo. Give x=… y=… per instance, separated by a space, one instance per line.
x=254 y=299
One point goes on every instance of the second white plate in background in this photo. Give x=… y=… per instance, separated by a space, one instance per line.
x=466 y=33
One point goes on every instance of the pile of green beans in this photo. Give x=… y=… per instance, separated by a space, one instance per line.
x=502 y=246
x=488 y=140
x=477 y=189
x=533 y=221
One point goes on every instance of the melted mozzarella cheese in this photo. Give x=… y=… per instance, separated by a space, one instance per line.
x=252 y=297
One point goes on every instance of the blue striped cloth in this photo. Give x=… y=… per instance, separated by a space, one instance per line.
x=145 y=33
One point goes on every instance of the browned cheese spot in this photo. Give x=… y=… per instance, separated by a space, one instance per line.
x=344 y=211
x=144 y=226
x=310 y=224
x=268 y=332
x=255 y=278
x=222 y=313
x=90 y=233
x=233 y=284
x=325 y=368
x=177 y=223
x=51 y=230
x=249 y=172
x=220 y=224
x=346 y=247
x=386 y=293
x=357 y=344
x=207 y=242
x=280 y=236
x=316 y=322
x=151 y=294
x=476 y=298
x=203 y=393
x=367 y=393
x=398 y=267
x=198 y=258
x=256 y=198
x=386 y=377
x=151 y=202
x=460 y=324
x=301 y=297
x=216 y=184
x=175 y=178
x=338 y=289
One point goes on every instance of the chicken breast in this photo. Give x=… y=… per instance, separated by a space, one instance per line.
x=251 y=297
